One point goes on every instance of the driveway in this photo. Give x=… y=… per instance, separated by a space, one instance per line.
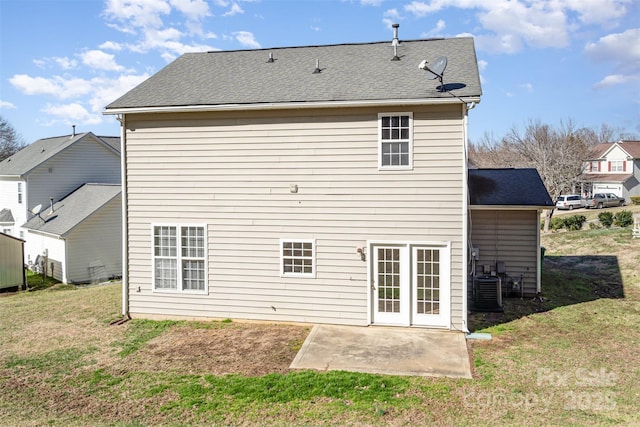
x=385 y=350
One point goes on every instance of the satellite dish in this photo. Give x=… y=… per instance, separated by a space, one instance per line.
x=436 y=69
x=36 y=210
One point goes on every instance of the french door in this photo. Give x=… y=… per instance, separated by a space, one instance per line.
x=410 y=284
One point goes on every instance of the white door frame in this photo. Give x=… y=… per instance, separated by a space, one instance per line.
x=409 y=315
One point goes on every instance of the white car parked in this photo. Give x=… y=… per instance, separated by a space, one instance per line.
x=569 y=201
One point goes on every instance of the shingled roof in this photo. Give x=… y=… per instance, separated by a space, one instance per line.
x=348 y=73
x=508 y=188
x=630 y=147
x=43 y=149
x=73 y=209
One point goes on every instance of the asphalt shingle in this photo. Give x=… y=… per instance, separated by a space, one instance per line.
x=507 y=187
x=349 y=72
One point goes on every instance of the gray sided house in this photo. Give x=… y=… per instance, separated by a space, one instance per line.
x=612 y=168
x=78 y=239
x=50 y=168
x=323 y=184
x=504 y=227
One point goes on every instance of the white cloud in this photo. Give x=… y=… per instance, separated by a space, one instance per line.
x=100 y=60
x=510 y=25
x=620 y=47
x=437 y=31
x=56 y=86
x=616 y=79
x=132 y=15
x=622 y=52
x=73 y=113
x=235 y=10
x=65 y=63
x=246 y=39
x=390 y=17
x=371 y=2
x=6 y=105
x=108 y=90
x=597 y=11
x=109 y=45
x=193 y=9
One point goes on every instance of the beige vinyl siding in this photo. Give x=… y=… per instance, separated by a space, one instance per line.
x=96 y=241
x=510 y=236
x=233 y=172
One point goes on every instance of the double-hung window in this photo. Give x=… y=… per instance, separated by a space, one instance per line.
x=617 y=165
x=19 y=192
x=297 y=258
x=395 y=144
x=179 y=258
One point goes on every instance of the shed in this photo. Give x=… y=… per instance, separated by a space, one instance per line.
x=11 y=262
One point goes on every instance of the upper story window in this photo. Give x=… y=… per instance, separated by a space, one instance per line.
x=297 y=257
x=19 y=192
x=395 y=145
x=617 y=166
x=179 y=258
x=595 y=166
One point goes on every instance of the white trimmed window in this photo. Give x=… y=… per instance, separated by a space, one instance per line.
x=179 y=258
x=297 y=258
x=617 y=165
x=595 y=166
x=395 y=144
x=19 y=192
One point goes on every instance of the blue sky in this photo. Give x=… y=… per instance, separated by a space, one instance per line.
x=62 y=62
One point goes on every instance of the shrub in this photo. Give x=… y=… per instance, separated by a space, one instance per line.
x=575 y=222
x=572 y=223
x=623 y=219
x=594 y=225
x=606 y=219
x=635 y=200
x=557 y=223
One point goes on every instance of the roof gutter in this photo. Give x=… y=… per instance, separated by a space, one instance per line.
x=508 y=207
x=289 y=105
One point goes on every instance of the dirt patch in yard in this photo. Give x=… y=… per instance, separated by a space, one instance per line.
x=241 y=348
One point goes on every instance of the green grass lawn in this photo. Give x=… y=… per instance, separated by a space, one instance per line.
x=570 y=359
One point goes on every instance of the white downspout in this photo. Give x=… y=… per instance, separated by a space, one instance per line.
x=125 y=226
x=465 y=217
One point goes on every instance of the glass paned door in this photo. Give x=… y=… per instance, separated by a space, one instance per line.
x=411 y=285
x=390 y=285
x=430 y=286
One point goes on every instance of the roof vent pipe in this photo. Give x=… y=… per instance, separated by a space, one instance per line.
x=395 y=42
x=270 y=57
x=51 y=200
x=317 y=70
x=74 y=130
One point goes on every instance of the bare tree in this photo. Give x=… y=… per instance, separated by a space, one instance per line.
x=557 y=153
x=10 y=141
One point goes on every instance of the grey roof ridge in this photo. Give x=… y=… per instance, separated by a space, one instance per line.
x=72 y=140
x=266 y=49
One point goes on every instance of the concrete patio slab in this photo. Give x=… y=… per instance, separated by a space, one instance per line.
x=385 y=350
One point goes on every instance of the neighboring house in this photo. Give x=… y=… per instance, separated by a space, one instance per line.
x=78 y=239
x=612 y=168
x=323 y=184
x=51 y=168
x=6 y=221
x=504 y=225
x=12 y=274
